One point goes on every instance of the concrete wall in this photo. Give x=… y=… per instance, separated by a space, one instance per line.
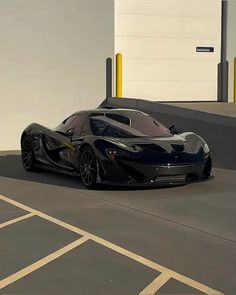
x=158 y=39
x=216 y=129
x=231 y=43
x=52 y=61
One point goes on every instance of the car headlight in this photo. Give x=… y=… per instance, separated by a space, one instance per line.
x=112 y=153
x=206 y=148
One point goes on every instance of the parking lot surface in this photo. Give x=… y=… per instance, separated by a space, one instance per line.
x=58 y=238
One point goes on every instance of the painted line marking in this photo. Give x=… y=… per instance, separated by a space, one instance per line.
x=158 y=267
x=151 y=264
x=16 y=220
x=40 y=263
x=155 y=285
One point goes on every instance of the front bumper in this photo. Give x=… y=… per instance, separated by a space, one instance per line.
x=129 y=173
x=169 y=183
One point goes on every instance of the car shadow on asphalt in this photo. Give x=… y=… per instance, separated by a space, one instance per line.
x=11 y=167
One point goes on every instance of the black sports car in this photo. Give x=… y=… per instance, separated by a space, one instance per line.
x=117 y=146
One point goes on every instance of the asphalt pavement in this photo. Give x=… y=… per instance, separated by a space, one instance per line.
x=59 y=238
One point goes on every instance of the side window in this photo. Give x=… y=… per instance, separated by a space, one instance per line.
x=77 y=124
x=84 y=129
x=69 y=120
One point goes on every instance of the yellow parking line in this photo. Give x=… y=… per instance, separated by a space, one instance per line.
x=155 y=285
x=158 y=267
x=36 y=265
x=16 y=220
x=47 y=217
x=151 y=264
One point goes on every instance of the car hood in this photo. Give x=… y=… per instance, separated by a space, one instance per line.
x=158 y=144
x=174 y=149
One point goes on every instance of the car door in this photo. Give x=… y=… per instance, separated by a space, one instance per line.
x=72 y=129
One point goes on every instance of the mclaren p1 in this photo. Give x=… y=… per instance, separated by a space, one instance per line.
x=119 y=147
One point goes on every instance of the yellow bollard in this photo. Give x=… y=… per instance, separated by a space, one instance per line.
x=119 y=75
x=235 y=79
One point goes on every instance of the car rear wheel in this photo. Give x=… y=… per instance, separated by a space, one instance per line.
x=27 y=153
x=88 y=168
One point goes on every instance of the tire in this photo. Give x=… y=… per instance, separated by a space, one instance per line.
x=27 y=154
x=206 y=173
x=88 y=168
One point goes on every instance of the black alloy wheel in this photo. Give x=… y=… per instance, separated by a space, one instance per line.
x=88 y=168
x=27 y=154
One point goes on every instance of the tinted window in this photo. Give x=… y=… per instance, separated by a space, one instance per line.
x=69 y=120
x=119 y=118
x=101 y=128
x=147 y=125
x=131 y=124
x=96 y=114
x=76 y=123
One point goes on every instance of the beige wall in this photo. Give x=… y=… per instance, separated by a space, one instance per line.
x=158 y=39
x=52 y=61
x=231 y=44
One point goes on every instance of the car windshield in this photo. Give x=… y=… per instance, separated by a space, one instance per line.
x=129 y=124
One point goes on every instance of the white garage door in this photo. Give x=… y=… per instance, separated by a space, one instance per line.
x=158 y=40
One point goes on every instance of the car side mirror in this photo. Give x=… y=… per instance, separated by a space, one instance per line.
x=70 y=132
x=174 y=129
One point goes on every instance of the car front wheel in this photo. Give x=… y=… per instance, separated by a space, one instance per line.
x=88 y=168
x=206 y=173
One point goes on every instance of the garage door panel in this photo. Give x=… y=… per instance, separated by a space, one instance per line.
x=171 y=90
x=165 y=26
x=158 y=40
x=205 y=8
x=171 y=48
x=143 y=70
